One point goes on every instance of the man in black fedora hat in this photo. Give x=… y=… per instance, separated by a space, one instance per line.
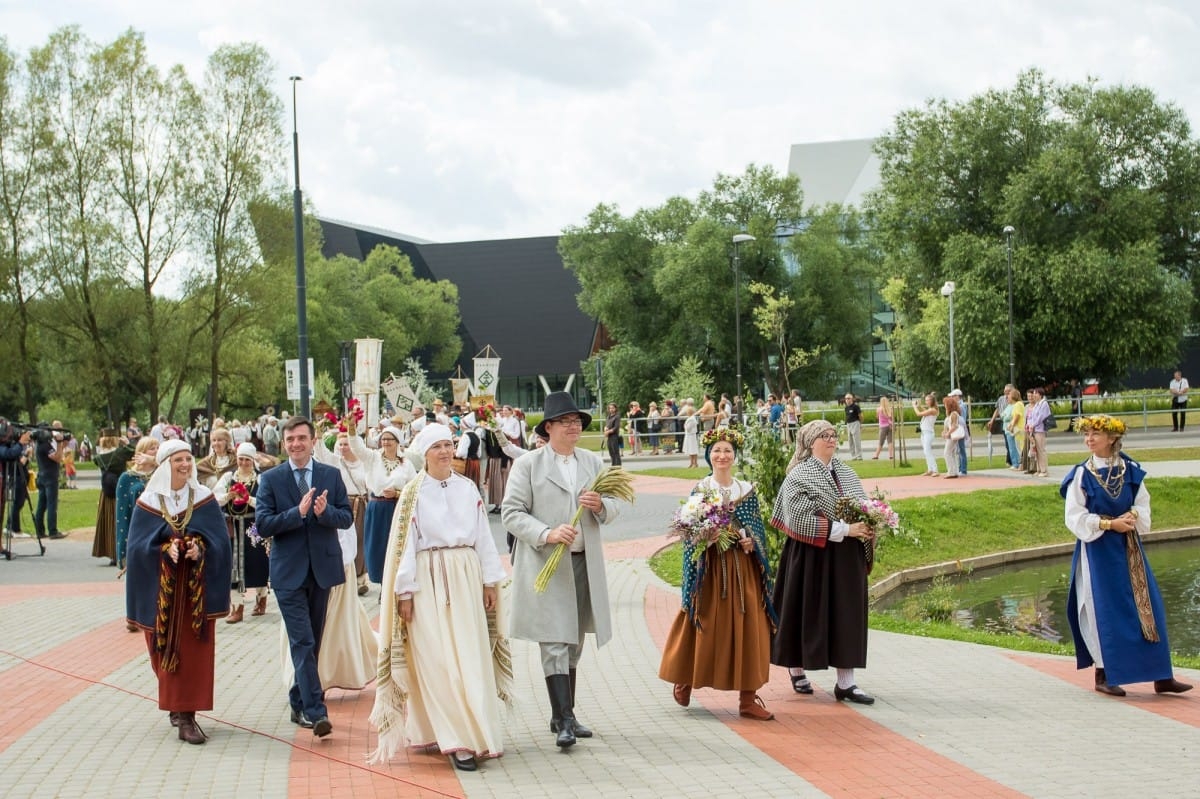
x=545 y=487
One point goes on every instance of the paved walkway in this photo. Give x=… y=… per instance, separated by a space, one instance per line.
x=951 y=719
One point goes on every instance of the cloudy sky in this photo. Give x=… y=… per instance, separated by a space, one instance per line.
x=481 y=119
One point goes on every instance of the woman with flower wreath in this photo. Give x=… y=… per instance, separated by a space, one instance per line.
x=821 y=584
x=1113 y=605
x=722 y=636
x=177 y=584
x=235 y=492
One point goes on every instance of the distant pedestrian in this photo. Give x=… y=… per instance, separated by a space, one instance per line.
x=1179 y=397
x=854 y=426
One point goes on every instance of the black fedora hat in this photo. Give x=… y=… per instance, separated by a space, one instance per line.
x=560 y=403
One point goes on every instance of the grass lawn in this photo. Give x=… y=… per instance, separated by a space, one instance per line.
x=76 y=509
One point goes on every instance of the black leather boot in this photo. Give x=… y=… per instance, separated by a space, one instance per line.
x=580 y=730
x=559 y=688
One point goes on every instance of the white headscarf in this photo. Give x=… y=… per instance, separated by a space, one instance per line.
x=160 y=482
x=247 y=450
x=429 y=435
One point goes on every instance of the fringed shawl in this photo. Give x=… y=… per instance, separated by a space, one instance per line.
x=392 y=678
x=747 y=515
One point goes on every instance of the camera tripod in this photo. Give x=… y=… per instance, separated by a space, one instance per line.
x=10 y=475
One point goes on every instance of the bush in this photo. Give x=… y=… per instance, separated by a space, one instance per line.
x=764 y=464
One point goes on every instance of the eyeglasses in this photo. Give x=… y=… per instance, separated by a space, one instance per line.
x=828 y=436
x=573 y=421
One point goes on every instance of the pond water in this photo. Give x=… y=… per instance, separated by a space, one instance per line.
x=1031 y=598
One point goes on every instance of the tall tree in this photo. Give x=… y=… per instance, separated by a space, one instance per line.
x=1090 y=178
x=22 y=148
x=149 y=135
x=81 y=253
x=238 y=160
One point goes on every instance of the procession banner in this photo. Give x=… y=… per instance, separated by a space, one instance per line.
x=462 y=390
x=367 y=354
x=487 y=374
x=400 y=397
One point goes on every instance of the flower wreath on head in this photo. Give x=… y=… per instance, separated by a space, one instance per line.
x=1100 y=422
x=727 y=434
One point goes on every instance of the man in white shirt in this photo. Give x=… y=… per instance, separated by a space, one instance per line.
x=1179 y=391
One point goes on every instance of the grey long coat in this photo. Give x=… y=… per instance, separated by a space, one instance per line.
x=537 y=500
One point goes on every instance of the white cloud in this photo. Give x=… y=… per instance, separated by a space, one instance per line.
x=507 y=118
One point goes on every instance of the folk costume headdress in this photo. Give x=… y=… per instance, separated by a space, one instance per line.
x=806 y=437
x=726 y=434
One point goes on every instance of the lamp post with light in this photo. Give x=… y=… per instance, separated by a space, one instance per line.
x=948 y=293
x=737 y=306
x=301 y=301
x=1009 y=230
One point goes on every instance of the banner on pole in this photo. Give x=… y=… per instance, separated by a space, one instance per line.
x=400 y=396
x=461 y=387
x=367 y=355
x=487 y=371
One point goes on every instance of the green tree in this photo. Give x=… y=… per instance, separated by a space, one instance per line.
x=22 y=147
x=661 y=281
x=1090 y=177
x=237 y=161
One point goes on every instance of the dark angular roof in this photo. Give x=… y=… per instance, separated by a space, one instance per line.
x=513 y=294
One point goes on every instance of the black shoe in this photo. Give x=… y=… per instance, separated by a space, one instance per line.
x=322 y=727
x=801 y=684
x=1170 y=686
x=464 y=765
x=1105 y=687
x=854 y=694
x=54 y=536
x=301 y=719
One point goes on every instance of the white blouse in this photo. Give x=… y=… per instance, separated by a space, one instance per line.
x=379 y=478
x=449 y=513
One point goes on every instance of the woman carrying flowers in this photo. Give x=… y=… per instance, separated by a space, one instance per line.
x=235 y=492
x=821 y=585
x=1114 y=606
x=722 y=636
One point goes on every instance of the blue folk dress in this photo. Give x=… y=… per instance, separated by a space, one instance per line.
x=1114 y=564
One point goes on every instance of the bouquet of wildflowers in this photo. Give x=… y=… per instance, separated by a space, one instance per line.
x=874 y=511
x=702 y=520
x=255 y=538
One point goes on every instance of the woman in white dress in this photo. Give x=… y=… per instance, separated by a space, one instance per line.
x=444 y=668
x=929 y=415
x=388 y=471
x=691 y=443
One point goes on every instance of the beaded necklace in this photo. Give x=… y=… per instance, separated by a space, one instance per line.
x=1115 y=480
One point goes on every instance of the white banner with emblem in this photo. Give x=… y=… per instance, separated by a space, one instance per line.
x=367 y=354
x=400 y=397
x=487 y=374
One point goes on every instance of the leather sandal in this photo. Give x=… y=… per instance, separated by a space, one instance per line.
x=683 y=695
x=235 y=615
x=801 y=684
x=260 y=606
x=751 y=706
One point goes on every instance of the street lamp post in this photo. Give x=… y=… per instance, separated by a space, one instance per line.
x=948 y=293
x=737 y=306
x=301 y=301
x=1009 y=230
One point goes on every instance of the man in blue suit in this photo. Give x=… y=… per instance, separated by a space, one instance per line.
x=301 y=505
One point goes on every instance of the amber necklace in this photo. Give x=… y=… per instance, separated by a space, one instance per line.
x=1114 y=481
x=181 y=525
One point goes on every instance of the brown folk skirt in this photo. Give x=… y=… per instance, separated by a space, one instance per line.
x=190 y=686
x=104 y=542
x=731 y=650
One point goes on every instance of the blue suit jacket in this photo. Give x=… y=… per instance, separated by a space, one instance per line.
x=298 y=544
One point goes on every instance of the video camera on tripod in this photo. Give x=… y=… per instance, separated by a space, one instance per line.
x=38 y=433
